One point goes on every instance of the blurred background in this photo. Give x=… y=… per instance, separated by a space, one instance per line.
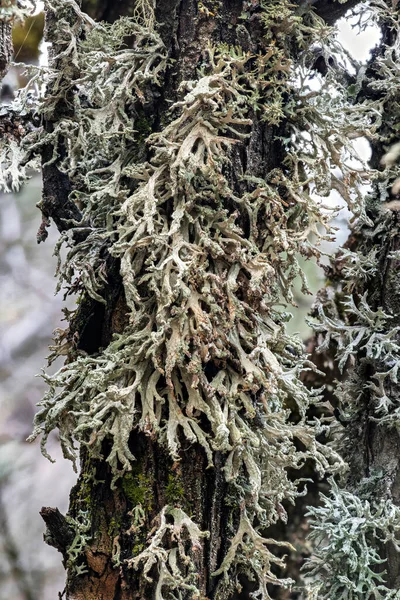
x=29 y=312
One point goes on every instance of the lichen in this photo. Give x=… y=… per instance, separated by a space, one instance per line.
x=250 y=549
x=13 y=10
x=348 y=530
x=357 y=321
x=205 y=356
x=213 y=294
x=353 y=321
x=81 y=525
x=175 y=567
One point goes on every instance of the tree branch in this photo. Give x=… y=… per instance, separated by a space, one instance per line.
x=58 y=533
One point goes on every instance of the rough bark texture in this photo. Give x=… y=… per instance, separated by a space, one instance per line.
x=5 y=48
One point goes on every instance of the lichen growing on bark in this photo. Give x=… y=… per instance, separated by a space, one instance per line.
x=175 y=568
x=16 y=10
x=357 y=528
x=206 y=261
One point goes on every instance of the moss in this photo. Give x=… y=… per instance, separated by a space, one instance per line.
x=142 y=125
x=137 y=549
x=174 y=490
x=81 y=499
x=138 y=490
x=114 y=527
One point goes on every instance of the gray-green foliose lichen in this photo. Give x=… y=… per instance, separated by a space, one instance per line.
x=200 y=286
x=356 y=521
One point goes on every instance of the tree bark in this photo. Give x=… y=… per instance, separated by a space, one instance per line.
x=5 y=48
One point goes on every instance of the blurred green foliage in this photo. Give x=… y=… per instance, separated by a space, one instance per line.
x=27 y=37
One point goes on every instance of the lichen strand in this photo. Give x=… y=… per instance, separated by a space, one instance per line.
x=207 y=256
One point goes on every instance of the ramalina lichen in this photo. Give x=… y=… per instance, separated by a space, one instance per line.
x=175 y=567
x=347 y=531
x=364 y=334
x=358 y=322
x=205 y=355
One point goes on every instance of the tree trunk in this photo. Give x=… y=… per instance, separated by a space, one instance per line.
x=156 y=480
x=176 y=169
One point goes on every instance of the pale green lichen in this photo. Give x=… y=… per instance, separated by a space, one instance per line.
x=176 y=571
x=204 y=268
x=353 y=525
x=188 y=158
x=75 y=551
x=347 y=531
x=187 y=306
x=16 y=10
x=361 y=331
x=250 y=549
x=365 y=331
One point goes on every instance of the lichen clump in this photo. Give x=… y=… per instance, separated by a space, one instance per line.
x=205 y=261
x=347 y=531
x=16 y=10
x=357 y=321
